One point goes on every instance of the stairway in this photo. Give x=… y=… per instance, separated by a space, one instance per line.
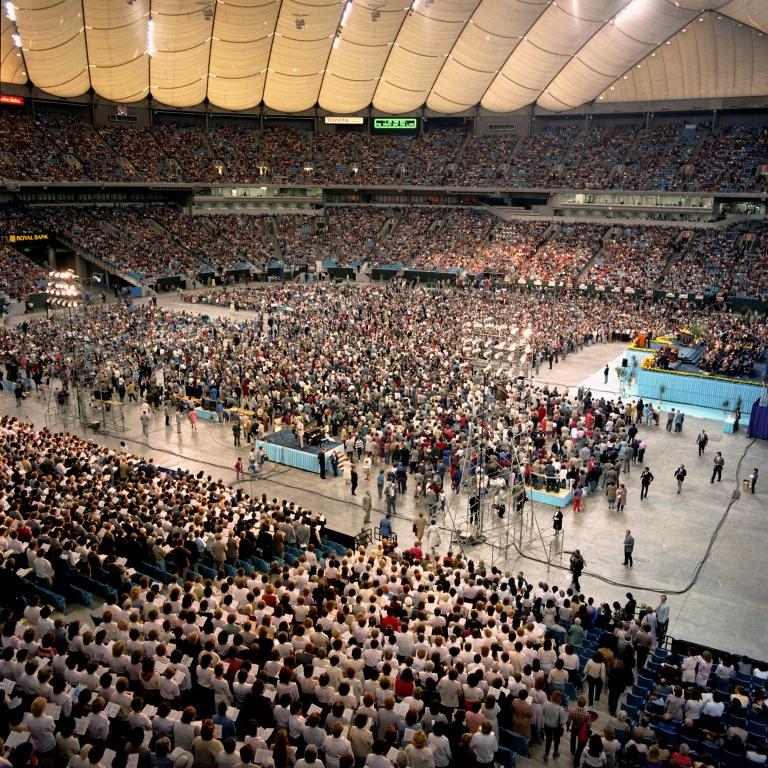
x=97 y=260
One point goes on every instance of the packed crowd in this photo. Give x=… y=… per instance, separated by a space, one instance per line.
x=734 y=347
x=350 y=234
x=728 y=260
x=431 y=157
x=728 y=159
x=634 y=257
x=596 y=155
x=538 y=160
x=565 y=254
x=656 y=158
x=19 y=275
x=233 y=635
x=510 y=245
x=61 y=146
x=708 y=263
x=483 y=158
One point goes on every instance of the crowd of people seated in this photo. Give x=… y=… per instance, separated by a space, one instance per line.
x=595 y=156
x=189 y=147
x=537 y=160
x=656 y=158
x=729 y=160
x=19 y=275
x=724 y=260
x=349 y=234
x=482 y=159
x=707 y=263
x=633 y=257
x=62 y=146
x=565 y=254
x=431 y=155
x=238 y=147
x=233 y=634
x=140 y=150
x=734 y=345
x=510 y=245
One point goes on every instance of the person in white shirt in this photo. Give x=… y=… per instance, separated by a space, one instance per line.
x=484 y=744
x=41 y=727
x=334 y=746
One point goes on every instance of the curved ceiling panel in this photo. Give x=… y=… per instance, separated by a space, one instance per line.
x=632 y=34
x=12 y=66
x=711 y=57
x=558 y=35
x=53 y=42
x=300 y=50
x=242 y=39
x=178 y=71
x=493 y=32
x=359 y=56
x=753 y=13
x=394 y=55
x=427 y=36
x=116 y=35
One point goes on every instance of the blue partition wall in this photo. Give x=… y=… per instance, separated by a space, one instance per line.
x=704 y=391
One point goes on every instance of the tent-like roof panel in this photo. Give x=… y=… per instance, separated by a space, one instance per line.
x=393 y=55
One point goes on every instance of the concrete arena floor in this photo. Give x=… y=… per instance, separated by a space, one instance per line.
x=725 y=606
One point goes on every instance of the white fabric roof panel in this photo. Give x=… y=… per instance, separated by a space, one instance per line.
x=300 y=55
x=53 y=41
x=714 y=57
x=242 y=40
x=426 y=39
x=179 y=67
x=634 y=32
x=493 y=32
x=116 y=34
x=394 y=55
x=357 y=61
x=558 y=35
x=12 y=67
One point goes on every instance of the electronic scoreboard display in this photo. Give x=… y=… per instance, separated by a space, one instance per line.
x=396 y=124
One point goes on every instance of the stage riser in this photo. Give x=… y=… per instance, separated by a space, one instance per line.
x=696 y=390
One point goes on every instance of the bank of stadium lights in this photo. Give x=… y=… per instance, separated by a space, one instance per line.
x=62 y=289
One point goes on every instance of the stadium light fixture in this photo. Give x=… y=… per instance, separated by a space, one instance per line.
x=16 y=37
x=10 y=11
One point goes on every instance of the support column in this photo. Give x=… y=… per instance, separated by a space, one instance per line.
x=80 y=266
x=51 y=257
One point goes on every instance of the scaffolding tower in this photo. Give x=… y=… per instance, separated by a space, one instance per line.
x=497 y=513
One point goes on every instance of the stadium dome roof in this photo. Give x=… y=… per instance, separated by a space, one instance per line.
x=393 y=55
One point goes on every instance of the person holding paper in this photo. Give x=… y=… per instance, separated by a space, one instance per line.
x=41 y=727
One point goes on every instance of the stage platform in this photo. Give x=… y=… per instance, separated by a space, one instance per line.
x=283 y=448
x=560 y=498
